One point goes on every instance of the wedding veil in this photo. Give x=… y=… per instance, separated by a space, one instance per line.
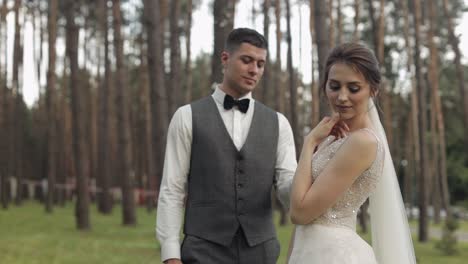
x=391 y=235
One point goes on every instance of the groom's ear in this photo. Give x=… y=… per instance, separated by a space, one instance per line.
x=224 y=57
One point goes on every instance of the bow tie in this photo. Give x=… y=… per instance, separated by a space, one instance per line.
x=230 y=102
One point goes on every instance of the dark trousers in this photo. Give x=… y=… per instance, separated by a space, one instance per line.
x=199 y=251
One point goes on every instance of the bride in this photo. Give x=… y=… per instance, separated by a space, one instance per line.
x=344 y=160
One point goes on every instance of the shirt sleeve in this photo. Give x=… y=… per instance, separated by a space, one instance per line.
x=173 y=190
x=286 y=162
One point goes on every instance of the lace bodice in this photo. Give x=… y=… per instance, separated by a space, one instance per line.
x=344 y=212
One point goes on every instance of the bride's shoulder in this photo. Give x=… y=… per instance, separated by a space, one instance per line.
x=362 y=143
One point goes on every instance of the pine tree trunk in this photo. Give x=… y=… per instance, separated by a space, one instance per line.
x=322 y=40
x=266 y=73
x=439 y=115
x=315 y=88
x=339 y=21
x=223 y=13
x=463 y=88
x=123 y=129
x=188 y=59
x=292 y=83
x=175 y=76
x=104 y=199
x=51 y=106
x=4 y=115
x=357 y=17
x=79 y=131
x=17 y=117
x=422 y=122
x=331 y=28
x=279 y=93
x=157 y=90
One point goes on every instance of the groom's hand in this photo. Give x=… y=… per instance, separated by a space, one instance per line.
x=173 y=261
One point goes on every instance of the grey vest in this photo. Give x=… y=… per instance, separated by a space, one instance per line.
x=227 y=188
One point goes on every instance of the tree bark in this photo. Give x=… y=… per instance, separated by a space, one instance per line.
x=292 y=83
x=104 y=199
x=157 y=90
x=279 y=94
x=315 y=89
x=123 y=129
x=51 y=106
x=266 y=73
x=322 y=39
x=223 y=13
x=17 y=117
x=463 y=89
x=357 y=17
x=175 y=76
x=422 y=122
x=434 y=80
x=79 y=131
x=188 y=59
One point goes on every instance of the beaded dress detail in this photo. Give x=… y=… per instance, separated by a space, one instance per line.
x=332 y=237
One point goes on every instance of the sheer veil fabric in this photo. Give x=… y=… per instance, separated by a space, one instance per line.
x=391 y=235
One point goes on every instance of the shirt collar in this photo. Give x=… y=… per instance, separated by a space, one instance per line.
x=219 y=95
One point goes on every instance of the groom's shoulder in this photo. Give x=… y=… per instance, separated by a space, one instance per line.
x=200 y=101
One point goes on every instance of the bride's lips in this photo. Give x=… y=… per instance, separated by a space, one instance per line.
x=342 y=108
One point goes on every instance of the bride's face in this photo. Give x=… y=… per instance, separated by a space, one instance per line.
x=347 y=91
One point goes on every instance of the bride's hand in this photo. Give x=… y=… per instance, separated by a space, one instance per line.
x=328 y=126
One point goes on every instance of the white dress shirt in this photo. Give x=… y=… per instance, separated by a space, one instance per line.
x=173 y=188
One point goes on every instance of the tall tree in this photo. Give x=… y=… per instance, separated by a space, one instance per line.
x=223 y=13
x=413 y=138
x=104 y=197
x=266 y=34
x=79 y=130
x=5 y=143
x=18 y=99
x=357 y=17
x=441 y=175
x=315 y=89
x=175 y=80
x=322 y=38
x=124 y=151
x=339 y=22
x=188 y=59
x=157 y=90
x=422 y=121
x=292 y=82
x=279 y=94
x=463 y=88
x=50 y=105
x=331 y=28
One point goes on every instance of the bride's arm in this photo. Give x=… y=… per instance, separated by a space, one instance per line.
x=308 y=201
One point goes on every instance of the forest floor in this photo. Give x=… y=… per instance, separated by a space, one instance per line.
x=29 y=235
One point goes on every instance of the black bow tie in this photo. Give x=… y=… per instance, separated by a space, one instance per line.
x=230 y=102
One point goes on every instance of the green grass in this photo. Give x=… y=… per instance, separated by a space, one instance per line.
x=29 y=235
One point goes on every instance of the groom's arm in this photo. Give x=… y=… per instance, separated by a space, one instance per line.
x=286 y=162
x=169 y=217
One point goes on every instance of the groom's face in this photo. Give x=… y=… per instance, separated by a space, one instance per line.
x=243 y=68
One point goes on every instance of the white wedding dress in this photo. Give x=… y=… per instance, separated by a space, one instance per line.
x=332 y=238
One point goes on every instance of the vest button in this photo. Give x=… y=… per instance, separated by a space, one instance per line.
x=240 y=185
x=241 y=171
x=240 y=157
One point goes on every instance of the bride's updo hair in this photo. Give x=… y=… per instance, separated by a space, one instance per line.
x=360 y=58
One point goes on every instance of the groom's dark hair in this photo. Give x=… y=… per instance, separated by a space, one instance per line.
x=244 y=35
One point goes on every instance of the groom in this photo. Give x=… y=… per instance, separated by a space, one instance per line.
x=224 y=154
